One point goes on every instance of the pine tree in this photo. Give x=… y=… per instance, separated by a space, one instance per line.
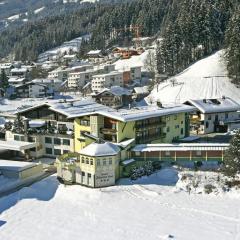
x=3 y=80
x=232 y=157
x=232 y=40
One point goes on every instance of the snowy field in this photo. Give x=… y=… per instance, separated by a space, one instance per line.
x=206 y=78
x=151 y=208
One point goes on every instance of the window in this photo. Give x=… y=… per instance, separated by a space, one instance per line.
x=48 y=151
x=98 y=162
x=176 y=126
x=209 y=117
x=91 y=161
x=89 y=175
x=66 y=142
x=31 y=139
x=57 y=151
x=168 y=129
x=87 y=161
x=167 y=153
x=83 y=160
x=22 y=138
x=137 y=154
x=181 y=130
x=84 y=122
x=16 y=137
x=226 y=115
x=110 y=161
x=104 y=162
x=198 y=153
x=207 y=124
x=83 y=174
x=175 y=117
x=57 y=141
x=48 y=140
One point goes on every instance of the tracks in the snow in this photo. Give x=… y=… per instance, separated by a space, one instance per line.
x=142 y=193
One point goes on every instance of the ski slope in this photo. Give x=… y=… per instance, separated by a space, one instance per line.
x=206 y=78
x=151 y=209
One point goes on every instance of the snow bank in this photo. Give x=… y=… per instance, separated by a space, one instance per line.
x=206 y=78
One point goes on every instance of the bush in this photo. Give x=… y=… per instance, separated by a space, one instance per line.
x=233 y=183
x=198 y=164
x=156 y=165
x=209 y=188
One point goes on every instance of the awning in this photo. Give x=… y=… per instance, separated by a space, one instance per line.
x=16 y=145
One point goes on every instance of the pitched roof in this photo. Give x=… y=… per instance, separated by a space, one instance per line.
x=117 y=91
x=86 y=107
x=100 y=149
x=224 y=104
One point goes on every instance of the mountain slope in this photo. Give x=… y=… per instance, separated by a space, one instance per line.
x=206 y=78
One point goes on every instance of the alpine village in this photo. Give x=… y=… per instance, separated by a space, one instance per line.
x=120 y=119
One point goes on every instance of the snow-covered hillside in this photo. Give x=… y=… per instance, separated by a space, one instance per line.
x=206 y=78
x=73 y=45
x=134 y=61
x=151 y=209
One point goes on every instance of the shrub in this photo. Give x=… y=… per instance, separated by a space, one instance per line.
x=198 y=164
x=209 y=188
x=233 y=183
x=156 y=165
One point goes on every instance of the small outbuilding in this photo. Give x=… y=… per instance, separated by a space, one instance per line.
x=19 y=170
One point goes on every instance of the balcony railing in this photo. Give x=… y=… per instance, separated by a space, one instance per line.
x=109 y=131
x=150 y=138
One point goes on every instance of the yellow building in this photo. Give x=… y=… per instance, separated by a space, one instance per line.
x=145 y=125
x=96 y=166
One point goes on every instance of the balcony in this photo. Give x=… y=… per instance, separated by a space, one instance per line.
x=108 y=131
x=149 y=138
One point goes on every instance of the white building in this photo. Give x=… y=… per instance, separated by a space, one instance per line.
x=136 y=73
x=19 y=72
x=31 y=90
x=108 y=80
x=52 y=84
x=80 y=79
x=59 y=73
x=215 y=115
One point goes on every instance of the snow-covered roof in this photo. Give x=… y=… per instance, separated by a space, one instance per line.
x=16 y=80
x=125 y=143
x=85 y=107
x=16 y=166
x=100 y=149
x=19 y=70
x=180 y=147
x=93 y=52
x=141 y=90
x=117 y=91
x=128 y=161
x=16 y=145
x=224 y=104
